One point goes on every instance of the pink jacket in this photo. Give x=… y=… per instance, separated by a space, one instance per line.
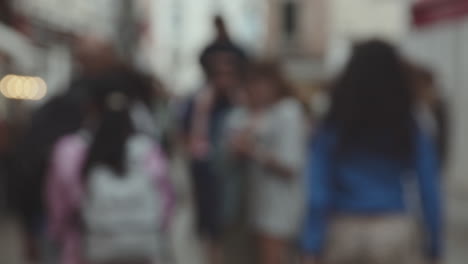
x=64 y=193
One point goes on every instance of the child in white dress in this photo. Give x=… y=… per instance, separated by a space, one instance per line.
x=269 y=134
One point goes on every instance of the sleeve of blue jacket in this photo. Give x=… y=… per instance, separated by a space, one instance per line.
x=427 y=168
x=318 y=193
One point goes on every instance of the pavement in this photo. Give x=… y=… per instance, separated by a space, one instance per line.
x=186 y=249
x=10 y=244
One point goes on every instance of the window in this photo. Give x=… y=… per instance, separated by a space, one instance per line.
x=290 y=24
x=290 y=19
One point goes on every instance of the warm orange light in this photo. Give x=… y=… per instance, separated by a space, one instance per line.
x=23 y=87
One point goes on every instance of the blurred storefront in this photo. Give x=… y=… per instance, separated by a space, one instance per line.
x=297 y=34
x=351 y=21
x=293 y=31
x=437 y=40
x=55 y=23
x=37 y=36
x=180 y=29
x=313 y=38
x=18 y=55
x=98 y=16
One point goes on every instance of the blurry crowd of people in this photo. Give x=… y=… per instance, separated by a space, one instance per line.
x=287 y=185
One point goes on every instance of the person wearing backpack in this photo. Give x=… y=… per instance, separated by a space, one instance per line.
x=108 y=195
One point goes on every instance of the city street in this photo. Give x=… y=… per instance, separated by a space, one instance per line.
x=186 y=247
x=244 y=86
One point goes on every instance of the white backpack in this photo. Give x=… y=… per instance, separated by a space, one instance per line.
x=122 y=215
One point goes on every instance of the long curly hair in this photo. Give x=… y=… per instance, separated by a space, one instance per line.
x=372 y=102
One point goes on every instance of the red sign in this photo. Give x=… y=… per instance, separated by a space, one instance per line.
x=433 y=11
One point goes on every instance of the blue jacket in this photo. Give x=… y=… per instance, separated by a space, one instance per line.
x=364 y=184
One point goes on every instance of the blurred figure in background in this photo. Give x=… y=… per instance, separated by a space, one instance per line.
x=268 y=135
x=431 y=109
x=59 y=116
x=357 y=211
x=108 y=185
x=223 y=64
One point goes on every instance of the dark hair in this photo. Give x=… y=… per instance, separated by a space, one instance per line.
x=141 y=86
x=235 y=55
x=372 y=102
x=222 y=45
x=112 y=99
x=222 y=34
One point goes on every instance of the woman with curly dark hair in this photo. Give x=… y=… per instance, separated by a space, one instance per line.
x=360 y=157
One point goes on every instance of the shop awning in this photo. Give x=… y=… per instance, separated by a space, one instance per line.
x=427 y=12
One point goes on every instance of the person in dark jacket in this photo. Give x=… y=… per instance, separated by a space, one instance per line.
x=203 y=120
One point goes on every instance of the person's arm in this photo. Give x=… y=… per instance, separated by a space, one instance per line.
x=158 y=167
x=197 y=124
x=63 y=187
x=289 y=157
x=427 y=166
x=319 y=174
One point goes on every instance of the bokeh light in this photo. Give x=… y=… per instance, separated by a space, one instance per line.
x=23 y=87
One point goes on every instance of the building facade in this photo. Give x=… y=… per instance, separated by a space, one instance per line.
x=180 y=29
